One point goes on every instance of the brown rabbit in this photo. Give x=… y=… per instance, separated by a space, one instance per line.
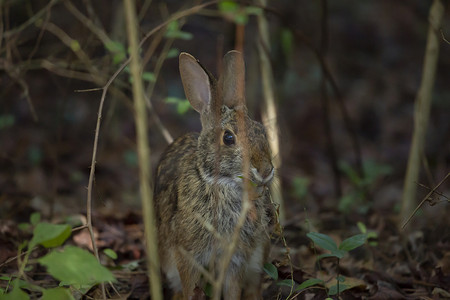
x=199 y=185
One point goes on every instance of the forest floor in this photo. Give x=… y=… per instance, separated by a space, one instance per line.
x=411 y=264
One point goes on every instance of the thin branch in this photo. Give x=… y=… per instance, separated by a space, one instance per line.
x=325 y=101
x=422 y=107
x=436 y=192
x=424 y=200
x=76 y=48
x=99 y=32
x=30 y=21
x=270 y=118
x=143 y=149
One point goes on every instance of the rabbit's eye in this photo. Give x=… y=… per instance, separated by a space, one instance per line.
x=228 y=138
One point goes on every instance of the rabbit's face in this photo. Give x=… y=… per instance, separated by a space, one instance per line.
x=222 y=143
x=221 y=149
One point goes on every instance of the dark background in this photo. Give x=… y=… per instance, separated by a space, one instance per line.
x=374 y=51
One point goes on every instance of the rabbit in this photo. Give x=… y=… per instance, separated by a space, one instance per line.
x=199 y=183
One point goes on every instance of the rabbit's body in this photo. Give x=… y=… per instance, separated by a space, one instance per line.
x=199 y=194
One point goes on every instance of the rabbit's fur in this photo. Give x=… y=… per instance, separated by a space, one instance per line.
x=199 y=186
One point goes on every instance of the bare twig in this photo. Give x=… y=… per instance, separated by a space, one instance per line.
x=93 y=164
x=436 y=192
x=75 y=47
x=424 y=200
x=143 y=154
x=270 y=118
x=330 y=146
x=30 y=21
x=422 y=109
x=150 y=89
x=99 y=32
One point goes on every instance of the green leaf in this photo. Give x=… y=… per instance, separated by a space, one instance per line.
x=74 y=45
x=110 y=253
x=7 y=121
x=373 y=171
x=149 y=76
x=372 y=235
x=118 y=50
x=333 y=289
x=119 y=57
x=131 y=158
x=253 y=10
x=35 y=218
x=271 y=270
x=350 y=172
x=362 y=227
x=183 y=105
x=241 y=18
x=233 y=11
x=300 y=186
x=228 y=6
x=16 y=293
x=50 y=235
x=353 y=242
x=173 y=53
x=347 y=202
x=58 y=293
x=24 y=226
x=309 y=282
x=7 y=278
x=287 y=42
x=35 y=155
x=132 y=265
x=76 y=266
x=286 y=282
x=336 y=253
x=208 y=290
x=322 y=240
x=174 y=32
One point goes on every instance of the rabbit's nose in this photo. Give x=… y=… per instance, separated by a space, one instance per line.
x=265 y=172
x=267 y=175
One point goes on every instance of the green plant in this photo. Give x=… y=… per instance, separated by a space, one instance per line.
x=326 y=242
x=182 y=105
x=372 y=171
x=272 y=271
x=300 y=187
x=372 y=236
x=68 y=264
x=236 y=13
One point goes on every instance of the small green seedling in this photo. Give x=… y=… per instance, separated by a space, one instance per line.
x=327 y=243
x=356 y=197
x=296 y=288
x=372 y=236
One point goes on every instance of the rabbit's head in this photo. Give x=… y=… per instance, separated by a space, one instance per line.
x=227 y=130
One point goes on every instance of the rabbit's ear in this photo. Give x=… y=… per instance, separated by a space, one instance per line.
x=196 y=82
x=233 y=79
